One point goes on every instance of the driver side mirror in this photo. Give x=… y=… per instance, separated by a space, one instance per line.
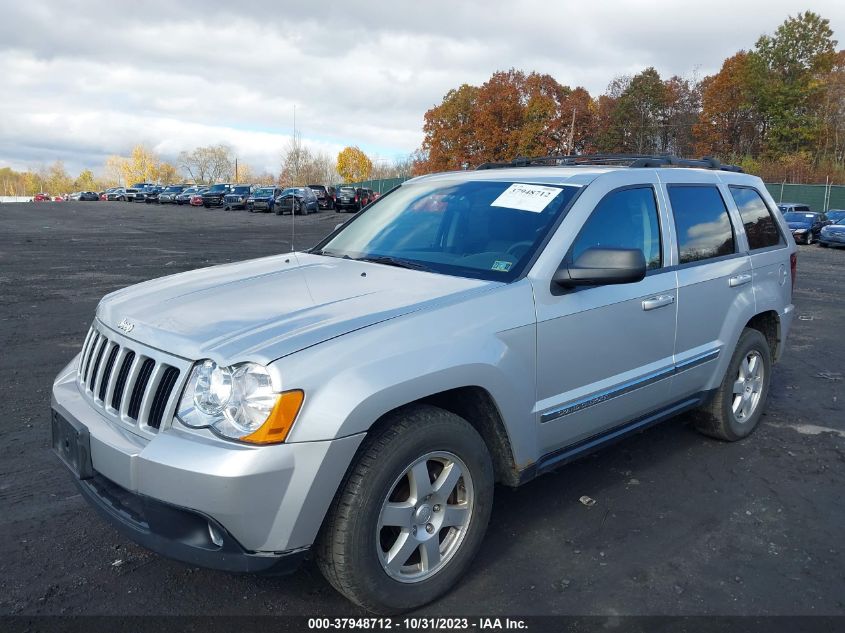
x=602 y=266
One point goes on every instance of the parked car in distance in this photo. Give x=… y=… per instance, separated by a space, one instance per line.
x=148 y=194
x=345 y=414
x=325 y=196
x=263 y=199
x=213 y=196
x=74 y=196
x=299 y=200
x=187 y=194
x=42 y=197
x=118 y=194
x=834 y=215
x=805 y=227
x=196 y=199
x=797 y=207
x=137 y=187
x=236 y=198
x=833 y=234
x=347 y=199
x=169 y=193
x=89 y=196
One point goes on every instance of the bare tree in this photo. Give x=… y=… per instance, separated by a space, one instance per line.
x=206 y=165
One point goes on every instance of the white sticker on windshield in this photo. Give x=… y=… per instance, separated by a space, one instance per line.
x=532 y=198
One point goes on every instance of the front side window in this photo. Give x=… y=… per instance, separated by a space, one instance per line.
x=481 y=229
x=760 y=227
x=702 y=223
x=623 y=219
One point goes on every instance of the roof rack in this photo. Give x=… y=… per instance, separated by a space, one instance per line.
x=618 y=160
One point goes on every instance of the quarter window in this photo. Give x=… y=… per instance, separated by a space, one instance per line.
x=623 y=219
x=760 y=227
x=702 y=223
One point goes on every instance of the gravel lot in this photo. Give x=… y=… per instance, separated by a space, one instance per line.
x=682 y=524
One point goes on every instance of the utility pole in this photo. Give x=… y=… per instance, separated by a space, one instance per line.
x=236 y=170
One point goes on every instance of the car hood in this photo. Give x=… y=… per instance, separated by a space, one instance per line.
x=799 y=225
x=264 y=309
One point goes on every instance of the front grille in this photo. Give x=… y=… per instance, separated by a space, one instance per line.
x=128 y=382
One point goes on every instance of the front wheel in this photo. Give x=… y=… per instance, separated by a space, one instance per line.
x=411 y=513
x=809 y=238
x=737 y=406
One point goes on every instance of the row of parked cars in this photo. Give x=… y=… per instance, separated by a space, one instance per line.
x=807 y=226
x=232 y=197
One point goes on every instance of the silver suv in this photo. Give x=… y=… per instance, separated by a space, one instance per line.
x=360 y=400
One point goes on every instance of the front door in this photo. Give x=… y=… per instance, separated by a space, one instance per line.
x=604 y=353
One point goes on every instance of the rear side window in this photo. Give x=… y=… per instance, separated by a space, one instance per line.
x=702 y=223
x=623 y=219
x=760 y=227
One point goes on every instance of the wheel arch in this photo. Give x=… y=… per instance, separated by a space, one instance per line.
x=768 y=324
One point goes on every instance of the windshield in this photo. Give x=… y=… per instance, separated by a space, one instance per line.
x=487 y=230
x=265 y=191
x=840 y=222
x=292 y=190
x=799 y=217
x=835 y=216
x=174 y=189
x=218 y=188
x=241 y=189
x=348 y=190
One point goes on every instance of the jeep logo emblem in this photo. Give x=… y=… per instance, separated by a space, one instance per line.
x=126 y=326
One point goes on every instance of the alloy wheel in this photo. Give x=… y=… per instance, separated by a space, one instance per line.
x=748 y=387
x=425 y=517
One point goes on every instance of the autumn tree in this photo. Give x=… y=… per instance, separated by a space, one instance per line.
x=353 y=165
x=731 y=124
x=85 y=181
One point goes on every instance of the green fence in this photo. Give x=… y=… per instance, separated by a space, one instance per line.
x=819 y=197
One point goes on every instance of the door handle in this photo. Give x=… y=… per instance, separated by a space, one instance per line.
x=658 y=302
x=739 y=280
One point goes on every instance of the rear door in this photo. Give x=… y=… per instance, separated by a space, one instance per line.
x=715 y=290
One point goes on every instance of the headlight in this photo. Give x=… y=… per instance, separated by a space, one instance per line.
x=238 y=402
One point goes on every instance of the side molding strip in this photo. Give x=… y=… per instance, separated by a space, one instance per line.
x=626 y=387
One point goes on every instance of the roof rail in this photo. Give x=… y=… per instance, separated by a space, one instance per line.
x=619 y=160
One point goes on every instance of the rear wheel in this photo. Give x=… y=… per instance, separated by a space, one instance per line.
x=411 y=513
x=737 y=406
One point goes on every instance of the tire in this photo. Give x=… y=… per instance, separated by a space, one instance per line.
x=718 y=418
x=351 y=548
x=809 y=238
x=122 y=199
x=277 y=211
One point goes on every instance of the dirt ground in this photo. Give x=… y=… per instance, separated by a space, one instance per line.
x=683 y=524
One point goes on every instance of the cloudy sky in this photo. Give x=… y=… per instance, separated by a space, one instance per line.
x=80 y=80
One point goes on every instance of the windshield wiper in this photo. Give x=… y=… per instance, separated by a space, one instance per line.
x=393 y=261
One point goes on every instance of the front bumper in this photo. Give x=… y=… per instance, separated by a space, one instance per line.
x=266 y=503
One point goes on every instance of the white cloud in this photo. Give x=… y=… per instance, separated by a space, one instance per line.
x=81 y=81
